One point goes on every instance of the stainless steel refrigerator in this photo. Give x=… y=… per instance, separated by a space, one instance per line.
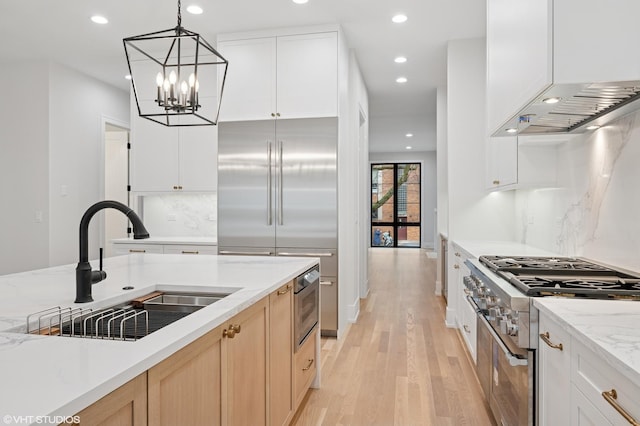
x=277 y=195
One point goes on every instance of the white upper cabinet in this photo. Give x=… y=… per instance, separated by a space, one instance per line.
x=288 y=76
x=519 y=46
x=533 y=45
x=168 y=159
x=502 y=162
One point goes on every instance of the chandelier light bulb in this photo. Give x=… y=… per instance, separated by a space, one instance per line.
x=159 y=79
x=173 y=77
x=192 y=79
x=184 y=87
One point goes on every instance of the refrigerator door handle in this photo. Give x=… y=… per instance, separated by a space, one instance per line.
x=280 y=185
x=269 y=189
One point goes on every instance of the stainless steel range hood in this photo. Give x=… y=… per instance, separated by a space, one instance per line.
x=579 y=106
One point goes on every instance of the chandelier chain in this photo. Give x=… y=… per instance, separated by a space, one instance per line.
x=179 y=13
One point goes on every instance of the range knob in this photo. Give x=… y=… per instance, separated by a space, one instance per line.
x=495 y=312
x=512 y=328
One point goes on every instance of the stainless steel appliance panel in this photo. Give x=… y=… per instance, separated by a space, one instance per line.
x=246 y=188
x=329 y=306
x=305 y=307
x=328 y=258
x=306 y=179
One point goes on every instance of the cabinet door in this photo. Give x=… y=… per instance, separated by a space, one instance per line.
x=125 y=406
x=554 y=364
x=502 y=161
x=469 y=325
x=281 y=355
x=126 y=248
x=306 y=366
x=247 y=366
x=198 y=163
x=250 y=86
x=307 y=78
x=519 y=47
x=584 y=413
x=186 y=388
x=154 y=156
x=189 y=249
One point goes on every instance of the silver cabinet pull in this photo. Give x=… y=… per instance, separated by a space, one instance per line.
x=280 y=186
x=269 y=189
x=612 y=398
x=326 y=282
x=284 y=253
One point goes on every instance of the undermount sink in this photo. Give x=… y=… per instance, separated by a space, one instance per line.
x=182 y=302
x=127 y=321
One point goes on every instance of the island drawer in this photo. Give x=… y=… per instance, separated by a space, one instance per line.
x=305 y=367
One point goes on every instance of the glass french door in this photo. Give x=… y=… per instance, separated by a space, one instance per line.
x=395 y=205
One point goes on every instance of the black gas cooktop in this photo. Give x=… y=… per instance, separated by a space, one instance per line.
x=564 y=276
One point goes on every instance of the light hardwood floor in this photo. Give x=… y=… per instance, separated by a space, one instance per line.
x=398 y=364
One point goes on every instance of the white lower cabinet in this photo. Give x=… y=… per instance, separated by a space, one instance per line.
x=128 y=248
x=554 y=373
x=579 y=387
x=468 y=326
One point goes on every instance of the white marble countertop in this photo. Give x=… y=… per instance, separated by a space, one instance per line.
x=60 y=376
x=193 y=241
x=477 y=248
x=608 y=327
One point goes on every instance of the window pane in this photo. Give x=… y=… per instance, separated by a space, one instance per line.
x=382 y=236
x=382 y=196
x=408 y=236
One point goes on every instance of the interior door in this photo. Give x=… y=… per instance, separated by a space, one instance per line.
x=246 y=184
x=306 y=179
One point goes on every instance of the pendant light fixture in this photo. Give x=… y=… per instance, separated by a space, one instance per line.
x=176 y=75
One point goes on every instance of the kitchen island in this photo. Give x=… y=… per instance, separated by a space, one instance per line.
x=60 y=376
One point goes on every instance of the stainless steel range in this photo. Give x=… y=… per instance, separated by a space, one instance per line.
x=502 y=288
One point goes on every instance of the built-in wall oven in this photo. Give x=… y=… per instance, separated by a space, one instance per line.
x=502 y=288
x=306 y=301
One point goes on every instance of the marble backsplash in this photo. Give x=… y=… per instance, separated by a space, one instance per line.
x=595 y=210
x=180 y=215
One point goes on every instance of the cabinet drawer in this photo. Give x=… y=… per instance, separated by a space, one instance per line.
x=468 y=327
x=137 y=248
x=190 y=249
x=592 y=376
x=305 y=367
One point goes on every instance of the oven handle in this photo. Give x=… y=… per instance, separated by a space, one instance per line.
x=514 y=361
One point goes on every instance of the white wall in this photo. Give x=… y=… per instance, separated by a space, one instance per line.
x=594 y=212
x=442 y=196
x=24 y=167
x=77 y=106
x=428 y=184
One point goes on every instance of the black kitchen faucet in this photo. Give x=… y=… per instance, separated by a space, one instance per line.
x=85 y=277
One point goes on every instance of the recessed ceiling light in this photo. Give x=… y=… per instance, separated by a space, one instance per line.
x=401 y=80
x=593 y=127
x=409 y=147
x=400 y=60
x=399 y=19
x=99 y=19
x=409 y=135
x=194 y=9
x=511 y=130
x=300 y=1
x=553 y=100
x=128 y=76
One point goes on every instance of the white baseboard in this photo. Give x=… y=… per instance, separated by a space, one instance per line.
x=450 y=318
x=353 y=311
x=438 y=288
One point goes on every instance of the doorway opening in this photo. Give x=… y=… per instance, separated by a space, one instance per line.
x=116 y=183
x=395 y=205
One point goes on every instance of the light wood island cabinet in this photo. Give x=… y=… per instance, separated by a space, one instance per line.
x=125 y=406
x=186 y=388
x=244 y=372
x=281 y=355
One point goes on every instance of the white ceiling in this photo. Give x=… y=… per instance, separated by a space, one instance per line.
x=61 y=30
